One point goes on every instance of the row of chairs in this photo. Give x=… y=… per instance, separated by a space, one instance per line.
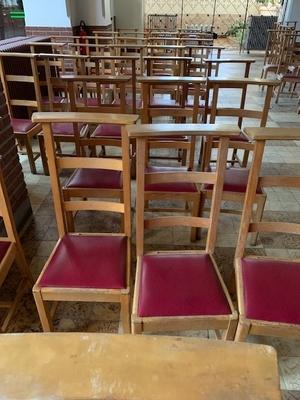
x=174 y=290
x=91 y=90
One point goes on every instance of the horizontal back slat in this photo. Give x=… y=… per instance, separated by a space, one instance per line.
x=191 y=177
x=280 y=227
x=94 y=206
x=84 y=162
x=20 y=78
x=279 y=181
x=162 y=222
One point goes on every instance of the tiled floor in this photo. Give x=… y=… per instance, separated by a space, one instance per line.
x=280 y=157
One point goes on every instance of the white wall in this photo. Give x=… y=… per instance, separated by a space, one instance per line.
x=91 y=11
x=129 y=14
x=46 y=13
x=292 y=12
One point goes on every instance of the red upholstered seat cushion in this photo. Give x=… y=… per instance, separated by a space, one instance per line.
x=110 y=130
x=235 y=180
x=172 y=186
x=271 y=290
x=64 y=128
x=180 y=285
x=21 y=125
x=89 y=178
x=85 y=261
x=3 y=249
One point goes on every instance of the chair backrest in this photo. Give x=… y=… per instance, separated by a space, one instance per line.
x=88 y=93
x=58 y=164
x=183 y=85
x=22 y=90
x=259 y=136
x=142 y=133
x=161 y=65
x=215 y=85
x=53 y=66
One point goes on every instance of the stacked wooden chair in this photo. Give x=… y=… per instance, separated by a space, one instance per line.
x=179 y=290
x=267 y=287
x=83 y=266
x=11 y=252
x=18 y=89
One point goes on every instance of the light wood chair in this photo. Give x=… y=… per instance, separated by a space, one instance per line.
x=22 y=92
x=11 y=251
x=235 y=181
x=87 y=94
x=179 y=108
x=83 y=266
x=267 y=287
x=179 y=290
x=214 y=110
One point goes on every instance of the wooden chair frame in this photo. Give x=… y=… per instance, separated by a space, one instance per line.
x=43 y=295
x=13 y=254
x=260 y=136
x=32 y=79
x=142 y=134
x=179 y=111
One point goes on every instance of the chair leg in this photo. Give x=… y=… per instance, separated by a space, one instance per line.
x=195 y=213
x=43 y=154
x=136 y=328
x=260 y=206
x=125 y=313
x=43 y=310
x=231 y=330
x=242 y=331
x=30 y=155
x=245 y=159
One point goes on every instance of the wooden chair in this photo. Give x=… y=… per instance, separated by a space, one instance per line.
x=179 y=290
x=180 y=109
x=267 y=287
x=86 y=95
x=216 y=63
x=214 y=87
x=11 y=251
x=82 y=266
x=167 y=65
x=198 y=67
x=235 y=180
x=22 y=92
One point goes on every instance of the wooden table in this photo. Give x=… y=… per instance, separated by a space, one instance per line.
x=126 y=367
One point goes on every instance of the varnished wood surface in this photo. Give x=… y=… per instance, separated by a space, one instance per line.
x=182 y=129
x=248 y=81
x=96 y=78
x=273 y=133
x=102 y=366
x=91 y=118
x=171 y=79
x=230 y=60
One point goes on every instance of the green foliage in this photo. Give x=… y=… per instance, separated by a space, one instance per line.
x=236 y=29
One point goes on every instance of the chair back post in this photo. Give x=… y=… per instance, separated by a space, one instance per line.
x=54 y=179
x=250 y=196
x=217 y=194
x=141 y=147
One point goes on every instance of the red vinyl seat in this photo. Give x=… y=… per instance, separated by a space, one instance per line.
x=86 y=261
x=180 y=285
x=235 y=180
x=62 y=128
x=271 y=290
x=170 y=186
x=89 y=178
x=110 y=130
x=3 y=249
x=22 y=125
